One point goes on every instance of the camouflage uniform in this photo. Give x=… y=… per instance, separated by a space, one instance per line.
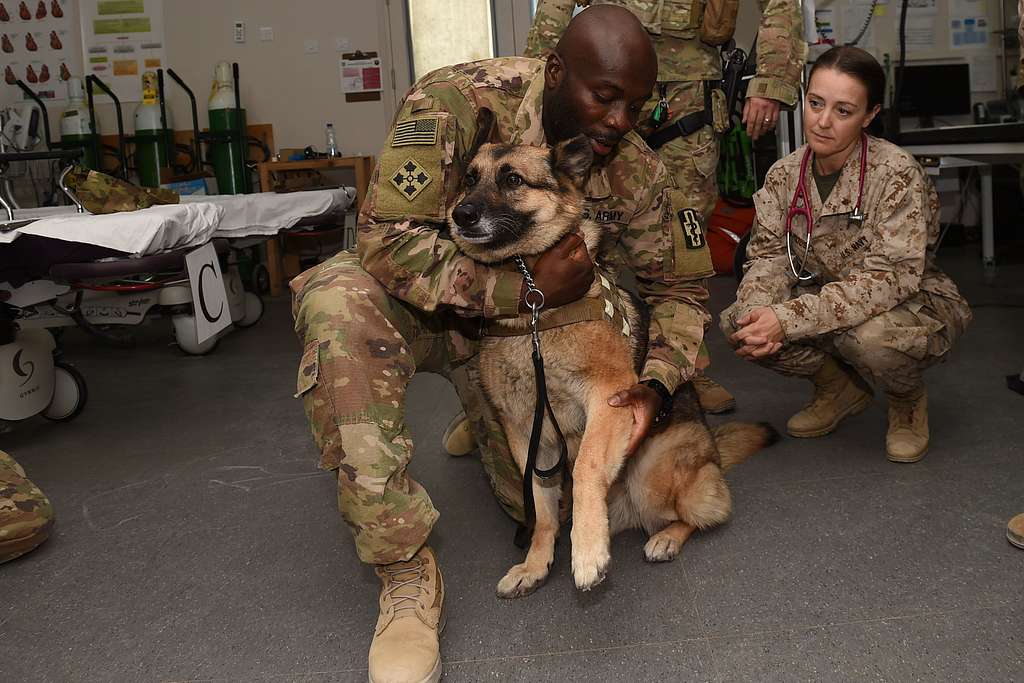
x=102 y=193
x=879 y=302
x=26 y=516
x=412 y=302
x=684 y=63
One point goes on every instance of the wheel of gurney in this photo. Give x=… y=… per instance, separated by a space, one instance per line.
x=253 y=311
x=69 y=394
x=185 y=335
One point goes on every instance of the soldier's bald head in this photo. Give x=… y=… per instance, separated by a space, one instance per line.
x=598 y=77
x=612 y=37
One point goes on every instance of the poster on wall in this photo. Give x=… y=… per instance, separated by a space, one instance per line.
x=968 y=24
x=121 y=39
x=34 y=41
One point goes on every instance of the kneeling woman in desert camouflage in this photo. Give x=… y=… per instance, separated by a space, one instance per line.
x=841 y=285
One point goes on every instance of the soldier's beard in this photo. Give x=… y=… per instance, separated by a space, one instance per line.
x=561 y=122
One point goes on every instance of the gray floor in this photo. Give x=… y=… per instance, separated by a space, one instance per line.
x=196 y=540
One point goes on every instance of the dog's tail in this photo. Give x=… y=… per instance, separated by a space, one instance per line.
x=737 y=441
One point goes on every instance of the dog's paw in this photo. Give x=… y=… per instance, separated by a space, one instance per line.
x=661 y=548
x=589 y=568
x=519 y=581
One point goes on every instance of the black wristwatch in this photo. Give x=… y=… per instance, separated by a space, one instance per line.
x=666 y=399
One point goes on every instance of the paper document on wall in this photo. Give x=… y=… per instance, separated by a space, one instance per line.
x=35 y=38
x=360 y=75
x=921 y=33
x=825 y=20
x=920 y=7
x=121 y=39
x=856 y=17
x=968 y=24
x=983 y=73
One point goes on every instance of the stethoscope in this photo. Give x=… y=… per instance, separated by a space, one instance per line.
x=800 y=205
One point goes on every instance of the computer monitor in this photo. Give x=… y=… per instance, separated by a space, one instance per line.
x=930 y=90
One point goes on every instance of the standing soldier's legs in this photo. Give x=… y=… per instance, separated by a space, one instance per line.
x=361 y=348
x=692 y=161
x=892 y=350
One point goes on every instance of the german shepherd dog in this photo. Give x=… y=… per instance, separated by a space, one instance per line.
x=521 y=200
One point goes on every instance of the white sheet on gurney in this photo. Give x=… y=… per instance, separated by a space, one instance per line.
x=195 y=221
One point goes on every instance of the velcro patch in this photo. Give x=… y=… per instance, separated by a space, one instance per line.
x=415 y=132
x=691 y=257
x=410 y=178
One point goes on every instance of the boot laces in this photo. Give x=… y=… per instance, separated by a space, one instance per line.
x=400 y=576
x=903 y=410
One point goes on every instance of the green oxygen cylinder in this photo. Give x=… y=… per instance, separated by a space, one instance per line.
x=151 y=138
x=75 y=131
x=227 y=130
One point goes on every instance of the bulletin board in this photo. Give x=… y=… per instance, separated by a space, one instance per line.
x=938 y=31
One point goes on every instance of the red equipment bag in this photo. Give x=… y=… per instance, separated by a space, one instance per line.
x=726 y=226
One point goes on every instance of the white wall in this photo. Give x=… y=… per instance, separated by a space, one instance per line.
x=280 y=84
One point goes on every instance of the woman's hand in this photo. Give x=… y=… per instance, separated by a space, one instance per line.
x=759 y=335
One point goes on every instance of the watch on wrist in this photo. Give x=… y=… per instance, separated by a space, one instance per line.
x=666 y=399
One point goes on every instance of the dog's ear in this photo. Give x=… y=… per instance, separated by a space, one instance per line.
x=572 y=159
x=484 y=130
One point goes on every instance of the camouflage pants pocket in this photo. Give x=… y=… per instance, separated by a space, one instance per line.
x=692 y=162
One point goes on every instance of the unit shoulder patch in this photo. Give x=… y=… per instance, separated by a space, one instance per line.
x=692 y=233
x=410 y=178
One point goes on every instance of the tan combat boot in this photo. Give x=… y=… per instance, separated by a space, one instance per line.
x=1015 y=531
x=458 y=438
x=907 y=438
x=838 y=393
x=713 y=397
x=405 y=646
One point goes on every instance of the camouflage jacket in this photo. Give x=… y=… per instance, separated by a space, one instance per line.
x=418 y=177
x=863 y=269
x=781 y=49
x=102 y=193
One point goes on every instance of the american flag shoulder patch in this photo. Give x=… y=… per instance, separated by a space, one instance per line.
x=415 y=132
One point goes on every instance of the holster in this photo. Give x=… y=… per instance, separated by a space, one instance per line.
x=719 y=102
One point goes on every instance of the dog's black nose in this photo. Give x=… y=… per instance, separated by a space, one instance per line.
x=465 y=215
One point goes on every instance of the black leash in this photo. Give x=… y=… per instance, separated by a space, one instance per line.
x=535 y=301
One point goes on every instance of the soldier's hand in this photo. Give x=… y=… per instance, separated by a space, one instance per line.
x=760 y=334
x=563 y=273
x=760 y=114
x=645 y=403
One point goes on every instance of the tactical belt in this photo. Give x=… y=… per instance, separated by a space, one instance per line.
x=686 y=125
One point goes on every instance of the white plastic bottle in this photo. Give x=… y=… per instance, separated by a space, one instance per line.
x=332 y=142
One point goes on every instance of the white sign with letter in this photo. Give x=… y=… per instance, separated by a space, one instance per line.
x=209 y=295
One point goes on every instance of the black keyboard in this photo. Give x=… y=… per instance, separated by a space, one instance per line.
x=983 y=132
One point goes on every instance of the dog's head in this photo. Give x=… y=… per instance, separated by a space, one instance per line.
x=520 y=200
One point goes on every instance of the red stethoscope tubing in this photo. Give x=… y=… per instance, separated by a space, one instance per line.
x=800 y=205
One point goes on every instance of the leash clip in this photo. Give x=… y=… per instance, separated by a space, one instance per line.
x=534 y=300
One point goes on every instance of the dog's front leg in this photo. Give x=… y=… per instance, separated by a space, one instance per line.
x=527 y=576
x=601 y=456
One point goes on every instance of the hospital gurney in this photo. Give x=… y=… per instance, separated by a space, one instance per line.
x=74 y=269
